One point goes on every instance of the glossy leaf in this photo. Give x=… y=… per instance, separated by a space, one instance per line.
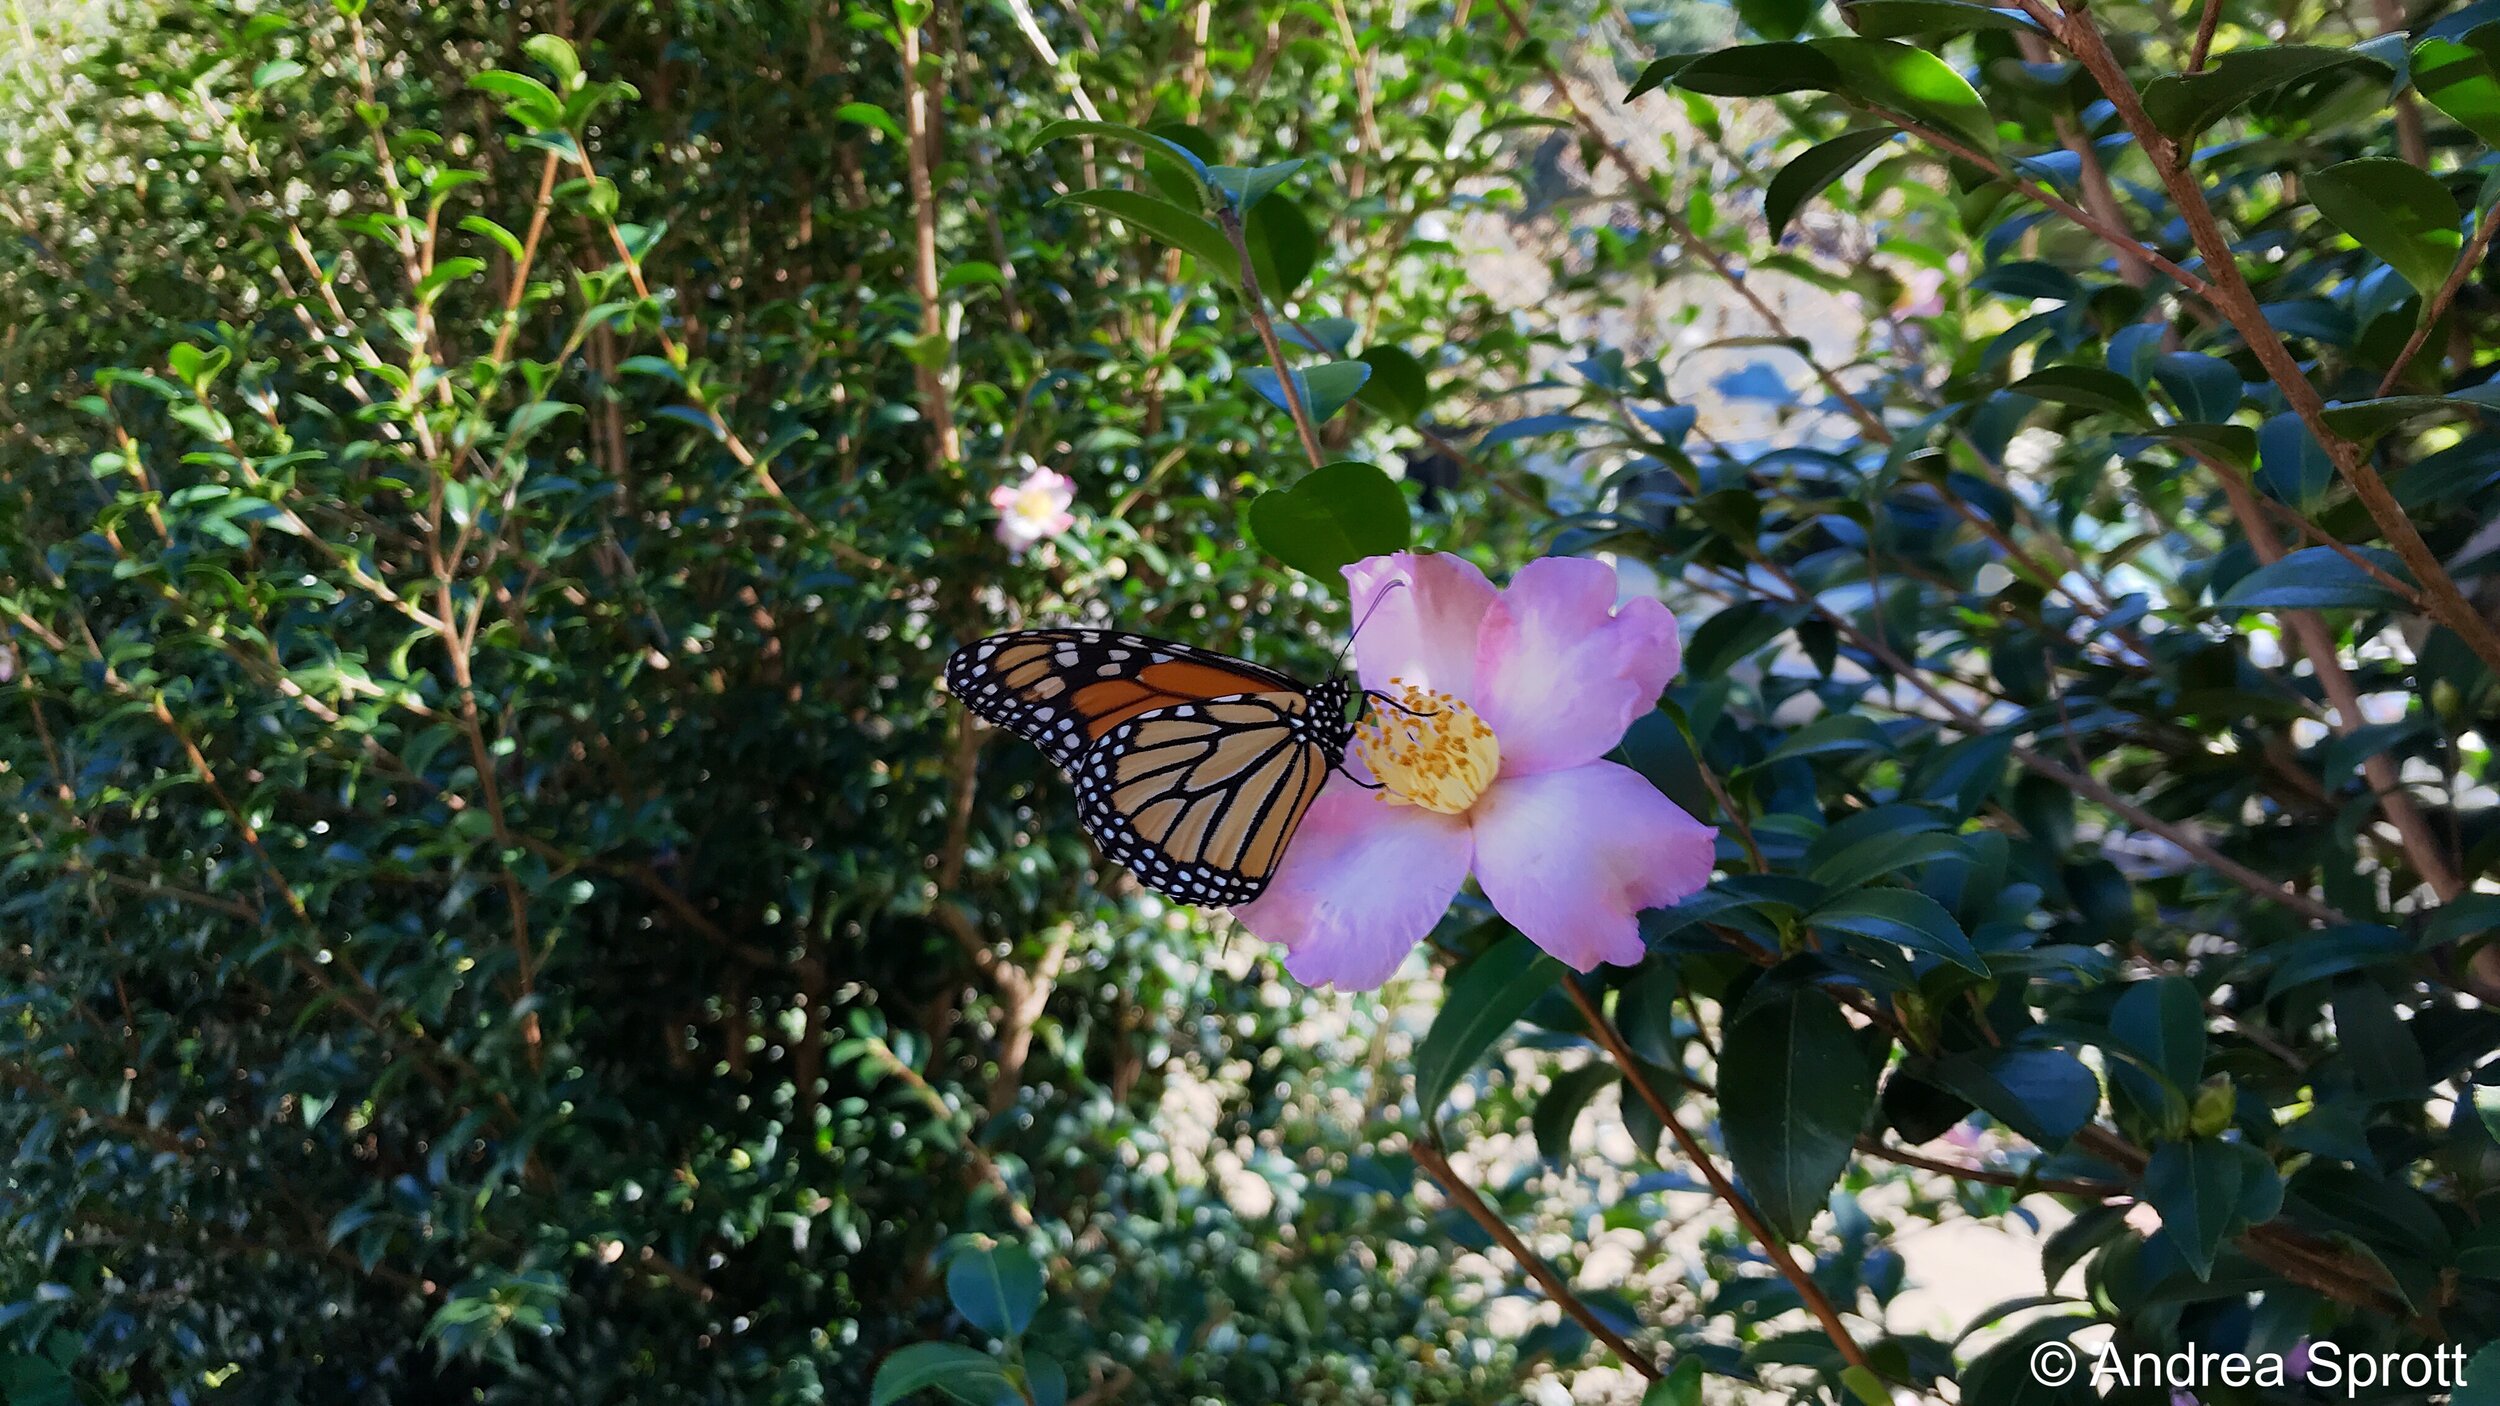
x=1191 y=233
x=2185 y=105
x=1334 y=516
x=2395 y=210
x=1482 y=1001
x=1817 y=167
x=1808 y=1094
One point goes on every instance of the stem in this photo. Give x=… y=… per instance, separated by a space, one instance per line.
x=1428 y=1156
x=1811 y=1293
x=1256 y=304
x=920 y=145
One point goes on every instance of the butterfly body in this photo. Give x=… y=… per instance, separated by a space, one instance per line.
x=1192 y=768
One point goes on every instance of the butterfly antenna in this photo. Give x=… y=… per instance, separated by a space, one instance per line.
x=1368 y=612
x=1373 y=694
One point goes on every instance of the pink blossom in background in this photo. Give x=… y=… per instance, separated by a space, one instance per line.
x=1517 y=695
x=1034 y=510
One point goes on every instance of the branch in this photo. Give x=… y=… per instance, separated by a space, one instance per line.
x=1256 y=304
x=1428 y=1156
x=1816 y=1302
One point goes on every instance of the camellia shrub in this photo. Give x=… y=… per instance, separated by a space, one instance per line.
x=499 y=907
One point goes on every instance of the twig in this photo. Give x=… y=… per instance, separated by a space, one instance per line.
x=1811 y=1293
x=1428 y=1157
x=1256 y=304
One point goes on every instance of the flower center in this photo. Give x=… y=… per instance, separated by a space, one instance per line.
x=1036 y=504
x=1436 y=753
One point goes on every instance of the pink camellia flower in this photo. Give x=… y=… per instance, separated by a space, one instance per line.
x=1515 y=695
x=1035 y=510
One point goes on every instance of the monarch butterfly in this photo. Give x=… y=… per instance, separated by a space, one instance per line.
x=1192 y=768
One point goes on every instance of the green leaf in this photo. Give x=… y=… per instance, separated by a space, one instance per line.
x=1807 y=1093
x=2163 y=1020
x=2046 y=1095
x=1868 y=1388
x=1335 y=516
x=1680 y=1387
x=870 y=115
x=1160 y=148
x=504 y=238
x=1658 y=73
x=2291 y=464
x=1246 y=186
x=2317 y=578
x=1814 y=170
x=1777 y=19
x=2482 y=1379
x=1759 y=71
x=2205 y=388
x=1486 y=997
x=445 y=274
x=525 y=100
x=274 y=72
x=1558 y=1112
x=957 y=1372
x=2087 y=388
x=2364 y=421
x=997 y=1290
x=556 y=52
x=1901 y=19
x=1833 y=735
x=1901 y=917
x=2463 y=80
x=1398 y=387
x=1187 y=231
x=2206 y=1191
x=2183 y=106
x=2397 y=211
x=1909 y=81
x=1283 y=247
x=1325 y=388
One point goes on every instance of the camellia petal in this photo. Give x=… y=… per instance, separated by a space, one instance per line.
x=1420 y=613
x=1561 y=672
x=1571 y=857
x=1363 y=883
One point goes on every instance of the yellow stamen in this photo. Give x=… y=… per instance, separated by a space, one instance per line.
x=1439 y=754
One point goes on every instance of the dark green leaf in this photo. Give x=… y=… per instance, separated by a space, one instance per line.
x=2207 y=1190
x=1901 y=917
x=1777 y=19
x=1398 y=388
x=2462 y=80
x=1191 y=233
x=1759 y=71
x=996 y=1289
x=951 y=1369
x=1806 y=176
x=2045 y=1095
x=1906 y=80
x=1901 y=19
x=1283 y=247
x=1558 y=1112
x=1325 y=388
x=1480 y=1003
x=2316 y=578
x=2205 y=388
x=2397 y=211
x=1808 y=1091
x=2086 y=387
x=2182 y=106
x=1336 y=515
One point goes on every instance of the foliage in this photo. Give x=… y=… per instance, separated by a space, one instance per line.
x=497 y=906
x=503 y=911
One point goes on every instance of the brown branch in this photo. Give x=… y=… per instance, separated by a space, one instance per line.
x=1811 y=1293
x=921 y=149
x=1988 y=1176
x=1255 y=303
x=1454 y=1186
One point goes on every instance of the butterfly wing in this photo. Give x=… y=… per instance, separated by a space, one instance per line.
x=1064 y=690
x=1199 y=800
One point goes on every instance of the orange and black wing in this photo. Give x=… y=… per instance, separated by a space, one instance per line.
x=1199 y=800
x=1064 y=690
